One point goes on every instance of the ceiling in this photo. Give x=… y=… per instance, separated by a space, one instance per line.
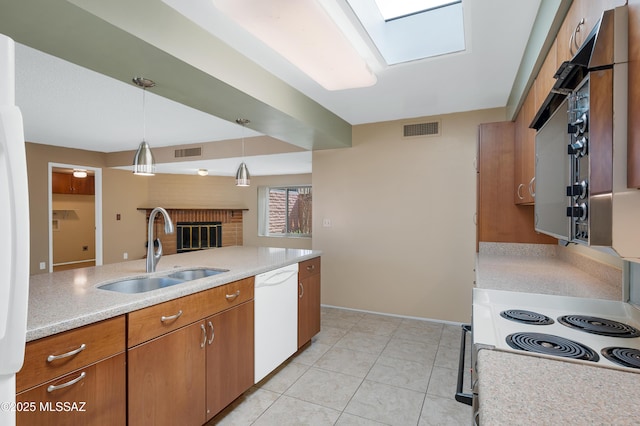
x=65 y=104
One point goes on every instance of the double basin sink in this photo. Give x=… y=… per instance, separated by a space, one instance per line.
x=141 y=285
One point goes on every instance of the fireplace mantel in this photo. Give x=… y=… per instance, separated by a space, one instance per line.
x=148 y=209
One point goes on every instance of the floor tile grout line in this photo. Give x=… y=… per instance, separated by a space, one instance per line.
x=331 y=346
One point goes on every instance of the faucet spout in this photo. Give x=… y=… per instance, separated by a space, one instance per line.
x=153 y=256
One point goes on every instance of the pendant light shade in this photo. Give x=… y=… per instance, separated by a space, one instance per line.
x=243 y=178
x=143 y=162
x=242 y=175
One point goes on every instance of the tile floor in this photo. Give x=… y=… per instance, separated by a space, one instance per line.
x=361 y=369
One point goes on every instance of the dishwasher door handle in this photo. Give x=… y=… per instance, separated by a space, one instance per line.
x=268 y=280
x=465 y=398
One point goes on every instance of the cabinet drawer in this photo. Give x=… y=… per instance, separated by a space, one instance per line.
x=308 y=268
x=229 y=295
x=93 y=395
x=148 y=323
x=62 y=353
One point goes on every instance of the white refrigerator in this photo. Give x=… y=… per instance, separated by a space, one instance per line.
x=14 y=232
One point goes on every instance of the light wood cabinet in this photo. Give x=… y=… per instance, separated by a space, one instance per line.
x=93 y=395
x=79 y=369
x=308 y=300
x=167 y=379
x=199 y=359
x=525 y=153
x=580 y=20
x=229 y=362
x=147 y=323
x=545 y=80
x=633 y=138
x=64 y=183
x=499 y=219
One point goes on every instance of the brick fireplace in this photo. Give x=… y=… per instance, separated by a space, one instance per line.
x=228 y=222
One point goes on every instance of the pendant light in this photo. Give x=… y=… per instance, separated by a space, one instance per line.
x=143 y=162
x=242 y=175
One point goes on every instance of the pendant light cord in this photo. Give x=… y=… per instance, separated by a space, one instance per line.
x=243 y=122
x=144 y=116
x=243 y=142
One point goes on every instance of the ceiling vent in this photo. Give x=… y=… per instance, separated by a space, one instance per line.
x=188 y=152
x=413 y=130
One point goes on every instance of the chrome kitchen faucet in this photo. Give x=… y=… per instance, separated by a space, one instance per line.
x=153 y=256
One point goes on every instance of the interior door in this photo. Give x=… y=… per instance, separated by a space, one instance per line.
x=75 y=225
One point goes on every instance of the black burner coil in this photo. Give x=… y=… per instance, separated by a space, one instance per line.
x=627 y=357
x=599 y=326
x=548 y=344
x=526 y=317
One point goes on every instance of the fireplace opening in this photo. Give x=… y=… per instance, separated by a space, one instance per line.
x=192 y=236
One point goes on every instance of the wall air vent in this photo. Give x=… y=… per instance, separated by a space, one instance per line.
x=421 y=129
x=188 y=152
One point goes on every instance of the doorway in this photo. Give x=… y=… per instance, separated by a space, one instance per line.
x=75 y=216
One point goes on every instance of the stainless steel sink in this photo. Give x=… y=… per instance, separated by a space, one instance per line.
x=194 y=274
x=140 y=285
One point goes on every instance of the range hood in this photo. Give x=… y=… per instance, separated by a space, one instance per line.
x=569 y=75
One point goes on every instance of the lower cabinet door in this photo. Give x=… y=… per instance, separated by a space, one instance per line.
x=229 y=356
x=95 y=395
x=167 y=379
x=308 y=309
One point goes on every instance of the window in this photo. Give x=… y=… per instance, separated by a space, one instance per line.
x=411 y=30
x=393 y=9
x=284 y=211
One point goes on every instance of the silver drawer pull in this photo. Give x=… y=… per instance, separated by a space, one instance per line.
x=311 y=268
x=210 y=341
x=172 y=317
x=233 y=296
x=301 y=290
x=204 y=336
x=52 y=388
x=51 y=358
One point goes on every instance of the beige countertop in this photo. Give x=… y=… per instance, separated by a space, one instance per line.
x=528 y=390
x=546 y=270
x=64 y=300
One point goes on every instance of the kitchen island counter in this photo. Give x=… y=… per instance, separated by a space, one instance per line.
x=517 y=389
x=65 y=300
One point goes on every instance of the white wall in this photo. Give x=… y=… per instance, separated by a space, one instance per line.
x=402 y=239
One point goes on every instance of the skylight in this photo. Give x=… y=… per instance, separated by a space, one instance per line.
x=392 y=9
x=411 y=30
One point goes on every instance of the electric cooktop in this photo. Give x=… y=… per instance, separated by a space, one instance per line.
x=603 y=333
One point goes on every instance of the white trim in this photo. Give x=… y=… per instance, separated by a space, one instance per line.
x=97 y=203
x=393 y=315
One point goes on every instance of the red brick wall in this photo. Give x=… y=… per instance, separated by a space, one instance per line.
x=232 y=225
x=299 y=212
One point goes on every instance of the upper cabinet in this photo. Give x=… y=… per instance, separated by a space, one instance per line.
x=64 y=183
x=499 y=220
x=525 y=153
x=633 y=137
x=545 y=80
x=580 y=20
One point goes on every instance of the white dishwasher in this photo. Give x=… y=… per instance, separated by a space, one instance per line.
x=276 y=318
